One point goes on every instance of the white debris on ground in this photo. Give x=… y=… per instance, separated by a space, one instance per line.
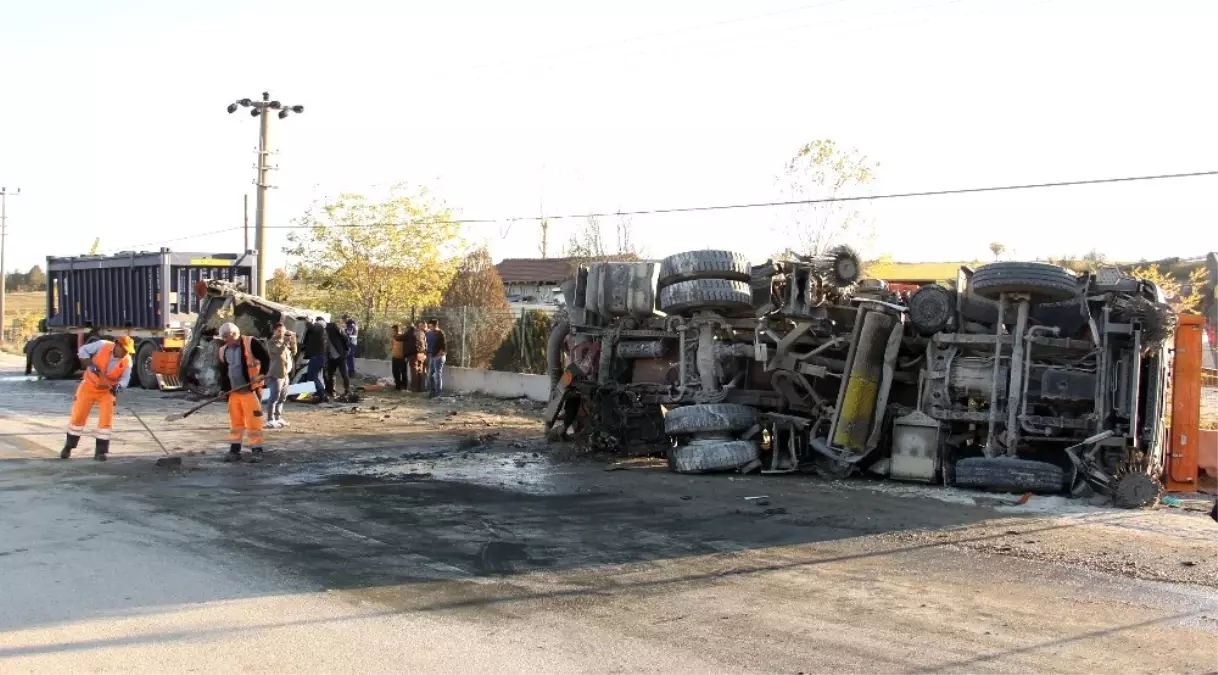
x=1003 y=503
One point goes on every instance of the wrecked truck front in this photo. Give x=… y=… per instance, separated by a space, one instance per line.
x=252 y=314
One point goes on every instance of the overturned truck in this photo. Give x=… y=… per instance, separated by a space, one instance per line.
x=1019 y=376
x=222 y=302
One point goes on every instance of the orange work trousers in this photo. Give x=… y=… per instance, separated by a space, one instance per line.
x=245 y=418
x=88 y=396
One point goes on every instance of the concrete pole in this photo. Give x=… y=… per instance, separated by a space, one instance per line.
x=4 y=193
x=260 y=210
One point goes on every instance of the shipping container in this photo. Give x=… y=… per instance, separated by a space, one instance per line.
x=149 y=290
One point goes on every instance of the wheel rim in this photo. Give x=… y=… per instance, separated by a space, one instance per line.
x=53 y=357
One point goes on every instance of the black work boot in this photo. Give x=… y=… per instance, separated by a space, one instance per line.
x=234 y=453
x=255 y=455
x=68 y=446
x=100 y=449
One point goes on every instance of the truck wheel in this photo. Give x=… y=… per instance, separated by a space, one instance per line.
x=1011 y=474
x=718 y=294
x=704 y=265
x=1044 y=282
x=53 y=359
x=143 y=366
x=712 y=455
x=710 y=419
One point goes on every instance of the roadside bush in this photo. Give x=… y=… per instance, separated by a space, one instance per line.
x=524 y=350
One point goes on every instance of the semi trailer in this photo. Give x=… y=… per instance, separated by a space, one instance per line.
x=151 y=296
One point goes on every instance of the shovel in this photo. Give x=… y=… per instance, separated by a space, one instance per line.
x=173 y=417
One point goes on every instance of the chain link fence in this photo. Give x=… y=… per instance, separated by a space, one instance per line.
x=512 y=339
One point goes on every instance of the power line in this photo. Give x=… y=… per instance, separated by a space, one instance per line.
x=134 y=247
x=777 y=204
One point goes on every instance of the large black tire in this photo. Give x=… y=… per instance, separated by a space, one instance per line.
x=931 y=308
x=1010 y=474
x=710 y=418
x=1044 y=282
x=717 y=294
x=143 y=366
x=712 y=455
x=704 y=265
x=54 y=358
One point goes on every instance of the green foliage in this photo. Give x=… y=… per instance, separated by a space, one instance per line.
x=821 y=170
x=94 y=247
x=371 y=258
x=524 y=350
x=33 y=280
x=1184 y=297
x=279 y=288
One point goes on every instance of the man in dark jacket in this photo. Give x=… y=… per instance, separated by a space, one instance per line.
x=437 y=349
x=315 y=354
x=336 y=358
x=241 y=365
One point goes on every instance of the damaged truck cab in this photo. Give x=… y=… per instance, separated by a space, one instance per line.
x=1020 y=376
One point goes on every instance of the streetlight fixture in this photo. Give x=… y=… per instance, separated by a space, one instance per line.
x=262 y=108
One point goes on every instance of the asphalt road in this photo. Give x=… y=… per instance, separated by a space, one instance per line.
x=387 y=541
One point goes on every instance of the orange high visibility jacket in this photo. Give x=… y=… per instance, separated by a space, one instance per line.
x=103 y=379
x=257 y=360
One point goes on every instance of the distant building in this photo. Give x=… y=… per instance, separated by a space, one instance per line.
x=534 y=280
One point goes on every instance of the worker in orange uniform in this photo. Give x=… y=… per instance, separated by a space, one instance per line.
x=243 y=363
x=107 y=371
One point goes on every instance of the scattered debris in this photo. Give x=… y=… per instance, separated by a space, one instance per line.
x=1024 y=499
x=169 y=462
x=749 y=499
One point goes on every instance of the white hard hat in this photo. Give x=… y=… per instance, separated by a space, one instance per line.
x=230 y=329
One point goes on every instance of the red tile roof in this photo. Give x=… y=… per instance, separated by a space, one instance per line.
x=542 y=270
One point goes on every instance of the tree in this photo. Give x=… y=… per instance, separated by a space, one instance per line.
x=96 y=243
x=36 y=279
x=279 y=288
x=524 y=350
x=478 y=313
x=373 y=257
x=1093 y=260
x=590 y=243
x=1184 y=298
x=997 y=248
x=821 y=171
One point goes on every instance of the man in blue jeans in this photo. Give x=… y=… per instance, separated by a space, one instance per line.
x=315 y=351
x=436 y=350
x=352 y=334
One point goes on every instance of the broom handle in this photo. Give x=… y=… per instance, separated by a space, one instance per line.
x=220 y=397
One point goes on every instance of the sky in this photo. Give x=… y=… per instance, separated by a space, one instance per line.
x=113 y=122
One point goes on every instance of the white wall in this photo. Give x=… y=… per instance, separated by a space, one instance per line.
x=489 y=382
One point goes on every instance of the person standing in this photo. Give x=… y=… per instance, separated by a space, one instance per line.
x=108 y=372
x=282 y=348
x=336 y=359
x=397 y=343
x=315 y=352
x=436 y=351
x=352 y=334
x=417 y=345
x=241 y=365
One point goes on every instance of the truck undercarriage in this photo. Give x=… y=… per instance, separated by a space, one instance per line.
x=1020 y=376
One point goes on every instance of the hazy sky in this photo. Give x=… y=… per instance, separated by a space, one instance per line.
x=113 y=120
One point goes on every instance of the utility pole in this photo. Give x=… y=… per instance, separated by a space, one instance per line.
x=246 y=201
x=4 y=195
x=262 y=109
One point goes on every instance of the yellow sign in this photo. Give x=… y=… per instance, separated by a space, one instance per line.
x=211 y=262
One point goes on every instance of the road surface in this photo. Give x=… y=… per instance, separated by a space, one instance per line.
x=444 y=537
